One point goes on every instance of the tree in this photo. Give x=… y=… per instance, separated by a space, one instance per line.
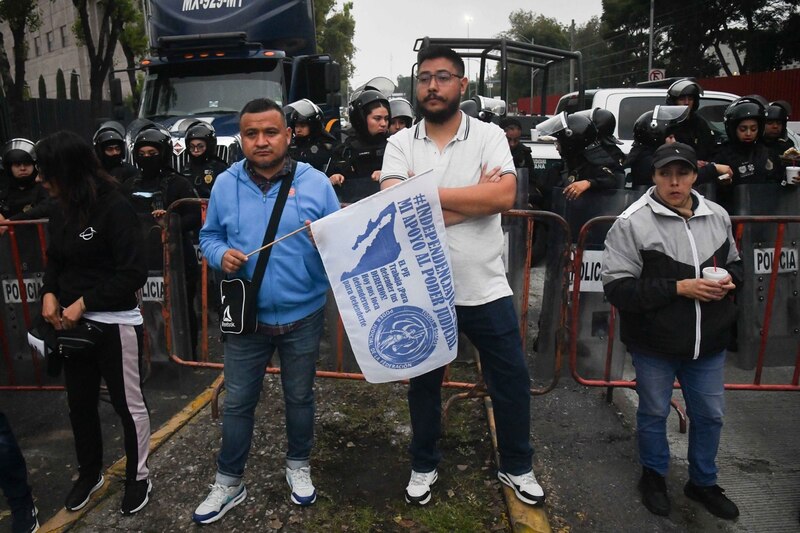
x=689 y=38
x=74 y=90
x=61 y=85
x=112 y=16
x=134 y=43
x=529 y=27
x=405 y=86
x=42 y=88
x=21 y=16
x=335 y=31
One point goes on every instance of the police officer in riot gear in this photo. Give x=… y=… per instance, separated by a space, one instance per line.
x=585 y=164
x=776 y=138
x=651 y=130
x=356 y=163
x=693 y=131
x=310 y=142
x=402 y=115
x=21 y=197
x=204 y=165
x=155 y=190
x=109 y=145
x=606 y=123
x=750 y=161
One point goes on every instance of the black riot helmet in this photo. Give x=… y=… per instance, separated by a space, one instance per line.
x=605 y=122
x=157 y=136
x=483 y=108
x=110 y=132
x=684 y=87
x=401 y=108
x=304 y=111
x=202 y=131
x=780 y=111
x=362 y=105
x=18 y=150
x=653 y=127
x=574 y=132
x=742 y=109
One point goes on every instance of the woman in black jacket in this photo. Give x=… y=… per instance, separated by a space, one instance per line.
x=95 y=265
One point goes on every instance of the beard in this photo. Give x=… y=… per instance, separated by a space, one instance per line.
x=441 y=116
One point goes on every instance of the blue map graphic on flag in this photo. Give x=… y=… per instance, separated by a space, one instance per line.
x=379 y=243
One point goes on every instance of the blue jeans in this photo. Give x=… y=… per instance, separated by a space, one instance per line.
x=246 y=357
x=13 y=474
x=494 y=330
x=702 y=383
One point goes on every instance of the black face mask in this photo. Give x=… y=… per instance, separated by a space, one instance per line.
x=111 y=161
x=150 y=166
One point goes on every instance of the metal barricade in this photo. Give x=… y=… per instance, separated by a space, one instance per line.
x=591 y=346
x=763 y=314
x=23 y=259
x=342 y=365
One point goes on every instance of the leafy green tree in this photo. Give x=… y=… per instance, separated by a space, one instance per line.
x=335 y=31
x=22 y=16
x=405 y=86
x=134 y=43
x=112 y=16
x=61 y=85
x=42 y=88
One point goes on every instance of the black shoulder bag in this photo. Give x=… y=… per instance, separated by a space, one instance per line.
x=239 y=297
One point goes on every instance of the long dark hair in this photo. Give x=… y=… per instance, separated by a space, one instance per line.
x=70 y=164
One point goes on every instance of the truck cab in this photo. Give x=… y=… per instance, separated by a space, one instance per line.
x=201 y=70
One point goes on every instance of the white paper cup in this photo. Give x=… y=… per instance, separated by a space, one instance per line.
x=793 y=175
x=715 y=274
x=535 y=136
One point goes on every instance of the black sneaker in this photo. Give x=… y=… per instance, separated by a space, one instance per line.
x=713 y=498
x=137 y=494
x=78 y=497
x=25 y=520
x=654 y=492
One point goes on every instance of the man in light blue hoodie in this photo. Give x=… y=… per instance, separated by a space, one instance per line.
x=290 y=301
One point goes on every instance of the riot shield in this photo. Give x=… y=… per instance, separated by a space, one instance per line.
x=757 y=247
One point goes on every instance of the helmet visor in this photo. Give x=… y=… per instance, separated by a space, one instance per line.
x=553 y=125
x=669 y=115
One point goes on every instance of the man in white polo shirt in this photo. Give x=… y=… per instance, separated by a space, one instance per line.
x=478 y=182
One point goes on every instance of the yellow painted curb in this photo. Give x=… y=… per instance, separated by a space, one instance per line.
x=64 y=519
x=524 y=518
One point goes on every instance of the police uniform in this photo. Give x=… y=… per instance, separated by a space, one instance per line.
x=202 y=174
x=356 y=159
x=316 y=150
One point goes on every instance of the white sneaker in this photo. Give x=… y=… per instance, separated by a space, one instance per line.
x=299 y=480
x=219 y=501
x=525 y=487
x=418 y=490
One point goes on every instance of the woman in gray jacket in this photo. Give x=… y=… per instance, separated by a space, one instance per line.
x=674 y=322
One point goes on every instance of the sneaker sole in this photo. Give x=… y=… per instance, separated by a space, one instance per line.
x=141 y=506
x=530 y=501
x=425 y=498
x=88 y=496
x=304 y=501
x=228 y=506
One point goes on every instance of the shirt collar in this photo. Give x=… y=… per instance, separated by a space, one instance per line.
x=264 y=183
x=421 y=131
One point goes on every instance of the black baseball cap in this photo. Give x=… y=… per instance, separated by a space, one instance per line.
x=667 y=153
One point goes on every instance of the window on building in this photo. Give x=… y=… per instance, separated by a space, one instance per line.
x=63 y=30
x=50 y=41
x=37 y=46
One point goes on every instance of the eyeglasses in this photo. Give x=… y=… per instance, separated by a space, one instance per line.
x=197 y=147
x=443 y=77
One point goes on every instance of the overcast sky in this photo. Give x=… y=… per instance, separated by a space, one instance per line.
x=386 y=30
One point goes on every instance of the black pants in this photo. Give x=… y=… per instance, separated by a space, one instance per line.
x=118 y=360
x=13 y=474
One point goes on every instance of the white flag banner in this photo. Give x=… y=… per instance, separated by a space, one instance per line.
x=387 y=260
